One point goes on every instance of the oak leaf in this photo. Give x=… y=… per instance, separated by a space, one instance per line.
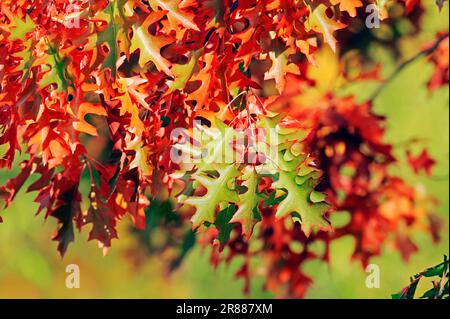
x=320 y=22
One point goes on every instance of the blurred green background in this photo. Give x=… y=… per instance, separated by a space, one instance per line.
x=30 y=266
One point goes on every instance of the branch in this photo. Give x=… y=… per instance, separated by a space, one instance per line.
x=424 y=52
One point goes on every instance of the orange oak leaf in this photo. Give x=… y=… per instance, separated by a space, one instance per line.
x=81 y=124
x=281 y=66
x=348 y=5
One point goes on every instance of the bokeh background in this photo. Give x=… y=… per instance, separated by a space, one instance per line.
x=30 y=266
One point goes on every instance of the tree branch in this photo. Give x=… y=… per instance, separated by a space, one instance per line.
x=424 y=52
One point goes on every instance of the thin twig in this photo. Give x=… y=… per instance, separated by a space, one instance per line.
x=424 y=52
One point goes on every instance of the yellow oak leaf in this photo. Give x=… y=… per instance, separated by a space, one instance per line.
x=319 y=22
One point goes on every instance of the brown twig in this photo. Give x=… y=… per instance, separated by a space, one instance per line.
x=397 y=71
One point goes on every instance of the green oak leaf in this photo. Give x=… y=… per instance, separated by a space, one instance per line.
x=174 y=14
x=298 y=179
x=247 y=214
x=217 y=145
x=219 y=191
x=278 y=135
x=27 y=59
x=22 y=28
x=115 y=33
x=225 y=224
x=57 y=71
x=212 y=146
x=183 y=73
x=292 y=172
x=150 y=48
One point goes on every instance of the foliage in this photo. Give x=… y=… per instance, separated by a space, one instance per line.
x=102 y=99
x=440 y=286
